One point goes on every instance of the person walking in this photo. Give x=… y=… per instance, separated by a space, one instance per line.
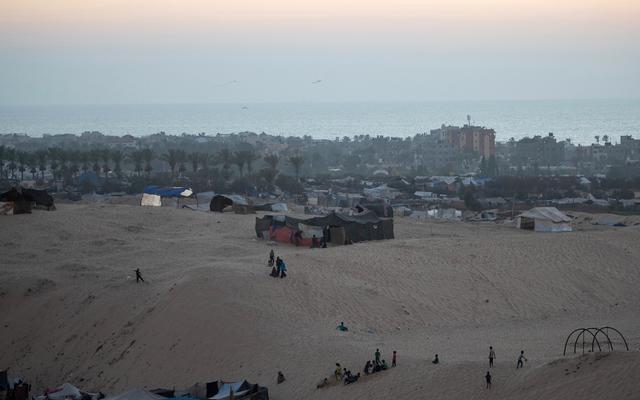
x=138 y=276
x=272 y=257
x=393 y=359
x=492 y=355
x=487 y=377
x=521 y=359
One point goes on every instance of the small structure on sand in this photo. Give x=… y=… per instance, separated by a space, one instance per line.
x=239 y=204
x=153 y=195
x=544 y=219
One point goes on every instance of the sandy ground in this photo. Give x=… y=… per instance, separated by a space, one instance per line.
x=70 y=309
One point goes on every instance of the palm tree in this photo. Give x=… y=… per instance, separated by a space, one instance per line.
x=137 y=157
x=41 y=155
x=272 y=160
x=196 y=159
x=240 y=159
x=53 y=156
x=226 y=158
x=147 y=156
x=117 y=156
x=105 y=155
x=94 y=156
x=11 y=158
x=182 y=158
x=171 y=158
x=23 y=160
x=296 y=161
x=250 y=157
x=597 y=137
x=605 y=138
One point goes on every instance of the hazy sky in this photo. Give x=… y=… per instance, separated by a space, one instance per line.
x=191 y=51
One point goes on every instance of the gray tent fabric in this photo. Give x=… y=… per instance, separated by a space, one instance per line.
x=136 y=394
x=220 y=201
x=547 y=213
x=357 y=228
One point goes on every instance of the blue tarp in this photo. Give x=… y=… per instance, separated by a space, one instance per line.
x=165 y=191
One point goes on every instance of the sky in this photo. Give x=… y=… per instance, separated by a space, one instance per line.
x=58 y=52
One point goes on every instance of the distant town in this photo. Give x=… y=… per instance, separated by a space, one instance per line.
x=462 y=166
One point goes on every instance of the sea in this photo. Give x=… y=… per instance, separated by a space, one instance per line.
x=578 y=120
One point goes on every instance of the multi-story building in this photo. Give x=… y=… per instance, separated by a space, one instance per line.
x=468 y=138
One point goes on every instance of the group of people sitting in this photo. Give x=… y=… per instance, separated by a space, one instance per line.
x=375 y=366
x=278 y=267
x=345 y=375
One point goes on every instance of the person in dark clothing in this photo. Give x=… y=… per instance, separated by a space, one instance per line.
x=272 y=257
x=521 y=359
x=280 y=377
x=393 y=359
x=492 y=355
x=488 y=379
x=436 y=360
x=274 y=272
x=367 y=368
x=138 y=276
x=377 y=356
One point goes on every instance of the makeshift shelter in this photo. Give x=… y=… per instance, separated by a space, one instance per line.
x=137 y=394
x=15 y=201
x=336 y=228
x=40 y=197
x=153 y=195
x=544 y=219
x=239 y=204
x=382 y=210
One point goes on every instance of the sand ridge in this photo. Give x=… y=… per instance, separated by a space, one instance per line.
x=70 y=309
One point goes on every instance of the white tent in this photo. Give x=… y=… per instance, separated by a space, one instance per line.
x=66 y=391
x=237 y=388
x=544 y=219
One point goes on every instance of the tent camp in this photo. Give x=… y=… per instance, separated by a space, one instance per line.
x=544 y=219
x=153 y=195
x=335 y=228
x=239 y=204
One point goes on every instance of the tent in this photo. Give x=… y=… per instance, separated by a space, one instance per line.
x=137 y=394
x=380 y=209
x=336 y=228
x=4 y=380
x=544 y=219
x=66 y=391
x=40 y=197
x=239 y=388
x=19 y=202
x=153 y=195
x=239 y=204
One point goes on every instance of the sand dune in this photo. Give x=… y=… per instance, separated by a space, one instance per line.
x=70 y=309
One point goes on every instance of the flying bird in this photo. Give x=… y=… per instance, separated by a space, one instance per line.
x=316 y=82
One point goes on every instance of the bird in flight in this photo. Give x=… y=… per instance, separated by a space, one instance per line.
x=316 y=82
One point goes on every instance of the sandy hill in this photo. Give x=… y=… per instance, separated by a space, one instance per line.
x=70 y=309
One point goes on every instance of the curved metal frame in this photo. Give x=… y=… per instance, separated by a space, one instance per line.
x=594 y=333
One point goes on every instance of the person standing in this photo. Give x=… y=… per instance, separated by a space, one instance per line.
x=377 y=356
x=393 y=359
x=492 y=355
x=272 y=257
x=138 y=276
x=521 y=359
x=487 y=377
x=283 y=269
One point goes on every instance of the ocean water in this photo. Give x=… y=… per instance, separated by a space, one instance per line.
x=578 y=120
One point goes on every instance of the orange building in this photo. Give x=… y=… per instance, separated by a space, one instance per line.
x=469 y=139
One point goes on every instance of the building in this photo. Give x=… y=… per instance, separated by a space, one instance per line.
x=468 y=139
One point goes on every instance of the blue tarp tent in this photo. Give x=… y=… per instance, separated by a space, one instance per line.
x=153 y=195
x=168 y=191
